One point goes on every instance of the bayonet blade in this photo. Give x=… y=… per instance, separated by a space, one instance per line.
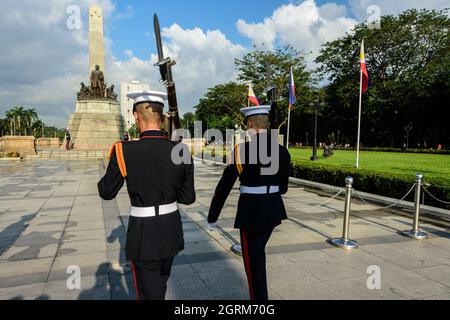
x=158 y=38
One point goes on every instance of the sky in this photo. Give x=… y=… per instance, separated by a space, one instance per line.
x=44 y=58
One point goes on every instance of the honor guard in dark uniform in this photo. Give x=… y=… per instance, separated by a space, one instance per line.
x=155 y=186
x=260 y=207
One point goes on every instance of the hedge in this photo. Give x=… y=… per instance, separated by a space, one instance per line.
x=398 y=150
x=391 y=185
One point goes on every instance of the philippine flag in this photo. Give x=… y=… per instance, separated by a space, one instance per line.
x=252 y=97
x=365 y=73
x=292 y=99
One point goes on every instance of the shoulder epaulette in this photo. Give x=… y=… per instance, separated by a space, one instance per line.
x=237 y=159
x=118 y=147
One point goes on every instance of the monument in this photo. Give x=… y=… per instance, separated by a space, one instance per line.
x=97 y=122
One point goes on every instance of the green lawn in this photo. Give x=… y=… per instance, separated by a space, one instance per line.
x=430 y=165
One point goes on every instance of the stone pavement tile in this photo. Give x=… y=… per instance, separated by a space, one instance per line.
x=15 y=280
x=58 y=202
x=311 y=291
x=85 y=217
x=202 y=247
x=54 y=212
x=79 y=235
x=97 y=260
x=85 y=225
x=27 y=205
x=188 y=292
x=362 y=260
x=231 y=266
x=15 y=216
x=195 y=236
x=439 y=297
x=95 y=293
x=403 y=257
x=27 y=292
x=183 y=275
x=356 y=289
x=326 y=268
x=412 y=285
x=439 y=274
x=24 y=267
x=281 y=271
x=304 y=255
x=44 y=227
x=443 y=243
x=82 y=247
x=17 y=253
x=87 y=199
x=426 y=247
x=190 y=226
x=86 y=283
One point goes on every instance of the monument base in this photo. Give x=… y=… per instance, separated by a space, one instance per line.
x=96 y=125
x=24 y=145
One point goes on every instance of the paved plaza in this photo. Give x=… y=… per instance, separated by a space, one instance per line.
x=51 y=218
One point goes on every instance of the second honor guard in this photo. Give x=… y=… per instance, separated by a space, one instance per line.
x=155 y=186
x=260 y=208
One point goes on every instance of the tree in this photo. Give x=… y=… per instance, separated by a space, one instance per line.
x=219 y=108
x=257 y=66
x=187 y=122
x=408 y=61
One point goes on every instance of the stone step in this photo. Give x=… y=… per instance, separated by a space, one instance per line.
x=71 y=155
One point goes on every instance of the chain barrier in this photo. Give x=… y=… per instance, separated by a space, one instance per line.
x=439 y=200
x=327 y=201
x=390 y=206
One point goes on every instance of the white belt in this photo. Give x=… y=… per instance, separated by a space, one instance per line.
x=151 y=211
x=260 y=190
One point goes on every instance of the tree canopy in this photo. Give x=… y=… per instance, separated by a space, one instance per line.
x=408 y=62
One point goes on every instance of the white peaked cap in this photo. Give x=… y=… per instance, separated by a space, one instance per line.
x=148 y=96
x=257 y=110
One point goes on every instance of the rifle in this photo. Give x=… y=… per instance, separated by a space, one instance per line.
x=271 y=91
x=172 y=118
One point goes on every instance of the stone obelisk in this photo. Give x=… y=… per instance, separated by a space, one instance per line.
x=96 y=39
x=97 y=122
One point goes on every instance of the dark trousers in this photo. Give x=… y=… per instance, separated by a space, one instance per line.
x=150 y=278
x=253 y=244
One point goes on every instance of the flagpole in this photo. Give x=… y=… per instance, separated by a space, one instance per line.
x=289 y=126
x=359 y=120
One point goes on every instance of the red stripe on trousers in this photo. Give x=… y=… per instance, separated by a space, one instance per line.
x=135 y=281
x=247 y=263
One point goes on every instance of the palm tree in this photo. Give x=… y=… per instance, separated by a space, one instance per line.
x=10 y=116
x=29 y=116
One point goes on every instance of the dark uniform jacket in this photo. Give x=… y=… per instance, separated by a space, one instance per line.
x=260 y=211
x=152 y=180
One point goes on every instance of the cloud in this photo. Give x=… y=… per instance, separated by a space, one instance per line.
x=44 y=61
x=204 y=59
x=305 y=26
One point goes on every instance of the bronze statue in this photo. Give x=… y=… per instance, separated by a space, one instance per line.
x=110 y=95
x=98 y=90
x=98 y=82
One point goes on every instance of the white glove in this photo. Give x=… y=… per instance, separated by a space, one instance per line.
x=212 y=226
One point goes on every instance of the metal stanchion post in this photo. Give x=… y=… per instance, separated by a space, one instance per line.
x=345 y=242
x=415 y=233
x=236 y=249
